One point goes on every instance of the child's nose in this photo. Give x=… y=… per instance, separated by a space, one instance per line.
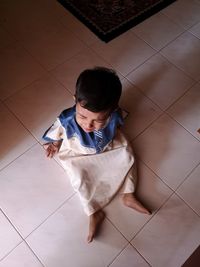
x=90 y=124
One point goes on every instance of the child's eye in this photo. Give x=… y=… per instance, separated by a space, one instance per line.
x=102 y=121
x=82 y=117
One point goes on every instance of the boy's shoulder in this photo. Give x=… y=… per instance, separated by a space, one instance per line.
x=67 y=113
x=116 y=116
x=67 y=116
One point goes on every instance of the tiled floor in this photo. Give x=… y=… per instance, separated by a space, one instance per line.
x=42 y=50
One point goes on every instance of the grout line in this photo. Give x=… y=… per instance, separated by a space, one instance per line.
x=34 y=253
x=61 y=84
x=159 y=52
x=157 y=176
x=22 y=88
x=141 y=255
x=118 y=254
x=172 y=40
x=116 y=228
x=187 y=204
x=153 y=215
x=8 y=253
x=7 y=165
x=178 y=23
x=51 y=214
x=19 y=120
x=182 y=126
x=188 y=176
x=181 y=96
x=149 y=125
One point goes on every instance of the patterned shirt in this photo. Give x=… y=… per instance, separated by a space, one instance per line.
x=96 y=139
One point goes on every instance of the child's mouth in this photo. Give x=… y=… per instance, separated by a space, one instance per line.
x=88 y=129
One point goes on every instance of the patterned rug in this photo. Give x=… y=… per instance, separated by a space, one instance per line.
x=110 y=18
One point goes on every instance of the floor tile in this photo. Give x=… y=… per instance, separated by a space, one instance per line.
x=158 y=30
x=62 y=239
x=151 y=191
x=184 y=52
x=124 y=53
x=21 y=256
x=12 y=147
x=24 y=27
x=18 y=69
x=20 y=19
x=43 y=49
x=54 y=49
x=38 y=105
x=32 y=187
x=171 y=236
x=129 y=257
x=187 y=110
x=195 y=30
x=186 y=13
x=78 y=28
x=68 y=72
x=169 y=150
x=161 y=81
x=9 y=237
x=142 y=111
x=5 y=38
x=189 y=190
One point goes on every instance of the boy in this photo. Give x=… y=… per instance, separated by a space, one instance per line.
x=91 y=147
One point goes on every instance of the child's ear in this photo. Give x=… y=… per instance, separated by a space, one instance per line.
x=74 y=98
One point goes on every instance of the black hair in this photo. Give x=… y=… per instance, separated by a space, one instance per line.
x=98 y=89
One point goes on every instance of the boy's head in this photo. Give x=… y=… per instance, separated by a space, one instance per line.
x=98 y=89
x=97 y=94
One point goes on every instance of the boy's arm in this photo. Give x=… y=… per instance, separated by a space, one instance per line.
x=54 y=137
x=52 y=148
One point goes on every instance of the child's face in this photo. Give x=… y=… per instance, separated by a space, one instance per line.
x=90 y=121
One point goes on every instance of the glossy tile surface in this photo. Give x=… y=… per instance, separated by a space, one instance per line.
x=158 y=30
x=9 y=236
x=68 y=72
x=161 y=81
x=171 y=235
x=18 y=69
x=11 y=148
x=195 y=30
x=43 y=49
x=184 y=53
x=169 y=150
x=125 y=52
x=21 y=256
x=38 y=105
x=129 y=257
x=142 y=111
x=65 y=234
x=32 y=187
x=189 y=190
x=62 y=45
x=80 y=30
x=183 y=12
x=131 y=221
x=187 y=110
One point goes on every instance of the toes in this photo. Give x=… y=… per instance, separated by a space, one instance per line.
x=90 y=238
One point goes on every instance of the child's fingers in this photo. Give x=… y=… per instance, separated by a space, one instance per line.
x=50 y=150
x=45 y=146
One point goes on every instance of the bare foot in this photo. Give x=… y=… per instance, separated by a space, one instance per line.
x=95 y=221
x=130 y=201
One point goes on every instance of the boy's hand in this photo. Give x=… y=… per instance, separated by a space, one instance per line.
x=52 y=148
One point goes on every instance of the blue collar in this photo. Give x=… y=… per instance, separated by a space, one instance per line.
x=68 y=121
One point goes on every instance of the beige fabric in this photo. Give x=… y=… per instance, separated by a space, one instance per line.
x=98 y=177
